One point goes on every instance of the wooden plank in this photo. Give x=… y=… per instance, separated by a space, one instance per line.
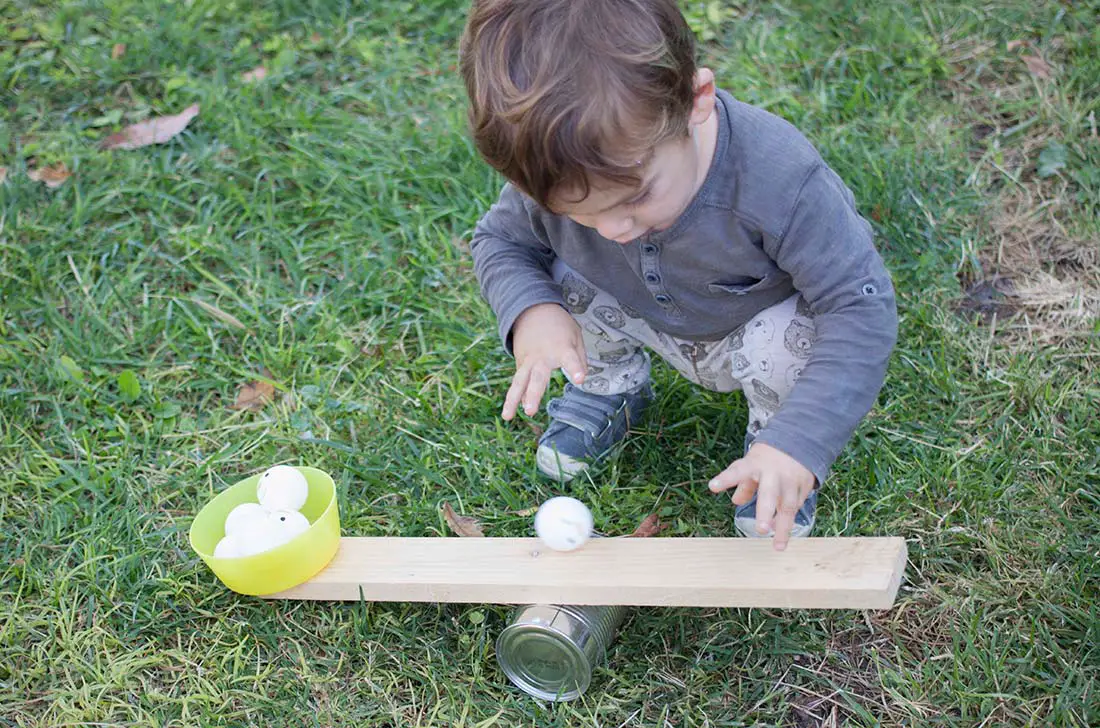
x=813 y=573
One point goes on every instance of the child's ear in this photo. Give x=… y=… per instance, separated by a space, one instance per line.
x=705 y=91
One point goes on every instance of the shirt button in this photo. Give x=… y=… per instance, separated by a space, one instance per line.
x=649 y=249
x=652 y=278
x=662 y=299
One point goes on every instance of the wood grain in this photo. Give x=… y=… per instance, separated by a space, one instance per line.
x=813 y=573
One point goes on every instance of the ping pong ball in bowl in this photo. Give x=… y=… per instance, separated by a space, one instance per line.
x=242 y=515
x=563 y=523
x=291 y=523
x=282 y=488
x=227 y=548
x=257 y=537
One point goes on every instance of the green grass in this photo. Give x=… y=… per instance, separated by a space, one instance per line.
x=325 y=210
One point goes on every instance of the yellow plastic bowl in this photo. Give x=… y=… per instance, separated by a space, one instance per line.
x=293 y=563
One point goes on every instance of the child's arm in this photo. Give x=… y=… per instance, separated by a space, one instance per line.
x=827 y=249
x=512 y=262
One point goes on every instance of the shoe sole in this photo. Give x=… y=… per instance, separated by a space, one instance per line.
x=747 y=528
x=556 y=466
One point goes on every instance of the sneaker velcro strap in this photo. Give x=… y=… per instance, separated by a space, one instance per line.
x=589 y=413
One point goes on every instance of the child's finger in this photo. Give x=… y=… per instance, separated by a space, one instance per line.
x=575 y=365
x=515 y=393
x=737 y=473
x=744 y=493
x=767 y=502
x=792 y=499
x=536 y=386
x=784 y=522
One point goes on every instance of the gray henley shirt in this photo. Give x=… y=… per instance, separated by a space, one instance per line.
x=770 y=219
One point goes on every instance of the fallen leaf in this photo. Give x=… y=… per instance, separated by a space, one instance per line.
x=71 y=368
x=259 y=73
x=254 y=395
x=220 y=315
x=1052 y=159
x=3 y=174
x=118 y=51
x=650 y=526
x=527 y=511
x=159 y=130
x=461 y=525
x=129 y=386
x=315 y=38
x=1038 y=67
x=54 y=176
x=1014 y=44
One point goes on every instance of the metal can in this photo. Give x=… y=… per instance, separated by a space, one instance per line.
x=550 y=651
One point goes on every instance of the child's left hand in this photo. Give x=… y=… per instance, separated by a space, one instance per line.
x=781 y=485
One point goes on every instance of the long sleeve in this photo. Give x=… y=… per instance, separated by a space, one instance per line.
x=827 y=250
x=512 y=261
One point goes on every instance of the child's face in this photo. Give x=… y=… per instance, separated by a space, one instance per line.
x=671 y=175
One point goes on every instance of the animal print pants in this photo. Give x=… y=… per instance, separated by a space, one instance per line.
x=763 y=358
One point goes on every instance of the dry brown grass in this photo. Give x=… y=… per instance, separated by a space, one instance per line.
x=1035 y=276
x=1050 y=276
x=844 y=684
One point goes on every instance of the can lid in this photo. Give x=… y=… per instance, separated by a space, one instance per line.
x=543 y=662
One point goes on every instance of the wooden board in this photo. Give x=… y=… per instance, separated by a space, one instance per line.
x=813 y=573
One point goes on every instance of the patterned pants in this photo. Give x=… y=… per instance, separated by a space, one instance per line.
x=763 y=358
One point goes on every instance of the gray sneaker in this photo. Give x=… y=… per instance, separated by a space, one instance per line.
x=584 y=427
x=744 y=519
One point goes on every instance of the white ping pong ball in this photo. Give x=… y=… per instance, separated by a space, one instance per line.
x=563 y=523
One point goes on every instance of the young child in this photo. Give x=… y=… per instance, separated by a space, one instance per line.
x=647 y=210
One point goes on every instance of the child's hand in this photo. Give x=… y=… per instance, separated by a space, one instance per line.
x=781 y=485
x=544 y=338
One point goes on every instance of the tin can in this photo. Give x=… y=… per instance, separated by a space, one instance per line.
x=550 y=651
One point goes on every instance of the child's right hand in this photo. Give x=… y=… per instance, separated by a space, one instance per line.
x=544 y=338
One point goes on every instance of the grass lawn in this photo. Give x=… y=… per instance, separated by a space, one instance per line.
x=312 y=225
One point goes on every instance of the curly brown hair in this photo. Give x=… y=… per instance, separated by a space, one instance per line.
x=563 y=92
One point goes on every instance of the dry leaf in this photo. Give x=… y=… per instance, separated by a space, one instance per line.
x=3 y=174
x=118 y=51
x=650 y=526
x=1014 y=44
x=527 y=511
x=220 y=315
x=1038 y=67
x=254 y=395
x=54 y=176
x=461 y=525
x=259 y=73
x=160 y=130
